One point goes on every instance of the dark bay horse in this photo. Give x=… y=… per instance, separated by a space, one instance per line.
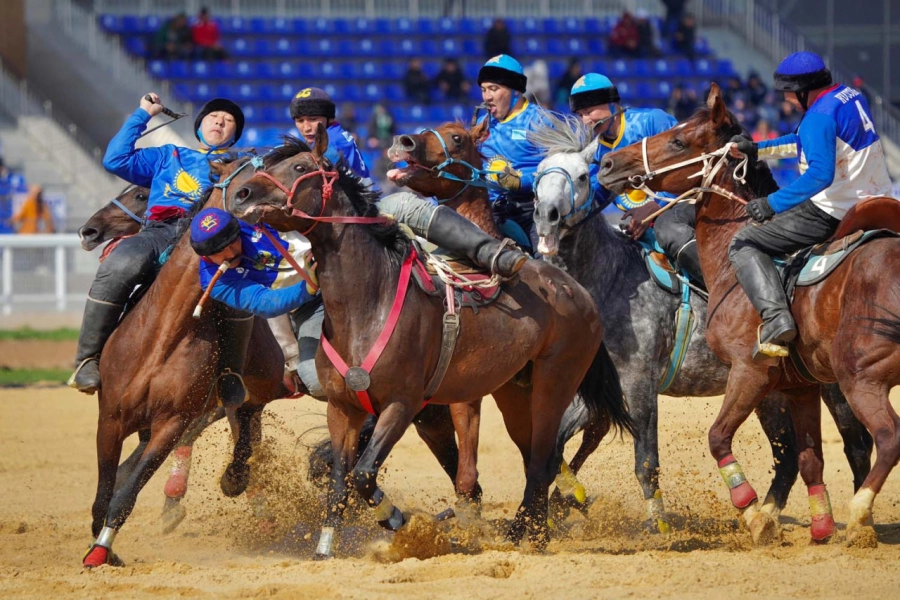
x=543 y=322
x=164 y=391
x=849 y=324
x=610 y=266
x=120 y=217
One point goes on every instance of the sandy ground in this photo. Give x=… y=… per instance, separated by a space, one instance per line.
x=47 y=479
x=36 y=354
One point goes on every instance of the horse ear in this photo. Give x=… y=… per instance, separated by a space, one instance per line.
x=215 y=168
x=588 y=153
x=718 y=114
x=321 y=141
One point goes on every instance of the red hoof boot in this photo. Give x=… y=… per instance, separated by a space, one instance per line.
x=821 y=528
x=743 y=495
x=96 y=556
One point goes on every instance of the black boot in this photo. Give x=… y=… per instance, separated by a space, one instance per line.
x=758 y=276
x=455 y=233
x=98 y=323
x=234 y=337
x=688 y=258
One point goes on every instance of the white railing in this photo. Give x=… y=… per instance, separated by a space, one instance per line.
x=44 y=270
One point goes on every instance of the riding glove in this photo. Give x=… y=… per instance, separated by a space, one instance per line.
x=510 y=179
x=759 y=209
x=745 y=145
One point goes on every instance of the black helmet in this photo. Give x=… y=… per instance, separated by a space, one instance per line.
x=312 y=102
x=224 y=105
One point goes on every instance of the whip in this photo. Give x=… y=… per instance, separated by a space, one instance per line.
x=198 y=310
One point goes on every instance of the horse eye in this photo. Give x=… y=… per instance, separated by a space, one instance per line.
x=299 y=168
x=142 y=197
x=582 y=177
x=457 y=138
x=678 y=143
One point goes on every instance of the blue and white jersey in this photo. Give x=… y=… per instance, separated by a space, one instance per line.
x=507 y=144
x=262 y=282
x=342 y=145
x=637 y=124
x=841 y=156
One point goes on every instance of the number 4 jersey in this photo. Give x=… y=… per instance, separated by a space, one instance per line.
x=841 y=156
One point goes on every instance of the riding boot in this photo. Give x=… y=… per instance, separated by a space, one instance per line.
x=455 y=233
x=234 y=337
x=99 y=321
x=688 y=258
x=758 y=276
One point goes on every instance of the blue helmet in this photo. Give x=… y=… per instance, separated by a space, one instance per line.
x=802 y=72
x=503 y=70
x=592 y=89
x=213 y=230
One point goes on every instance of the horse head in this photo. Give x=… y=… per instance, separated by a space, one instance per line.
x=120 y=217
x=671 y=160
x=562 y=190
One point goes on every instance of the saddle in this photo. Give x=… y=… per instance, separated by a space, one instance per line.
x=466 y=296
x=661 y=268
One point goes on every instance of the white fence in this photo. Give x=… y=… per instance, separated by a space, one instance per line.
x=44 y=272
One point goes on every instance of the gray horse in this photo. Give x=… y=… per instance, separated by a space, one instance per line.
x=641 y=326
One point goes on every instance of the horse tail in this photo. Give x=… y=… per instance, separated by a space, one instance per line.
x=886 y=328
x=601 y=391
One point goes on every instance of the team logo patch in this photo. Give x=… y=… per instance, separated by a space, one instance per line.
x=494 y=61
x=579 y=84
x=209 y=223
x=304 y=93
x=496 y=165
x=517 y=134
x=185 y=187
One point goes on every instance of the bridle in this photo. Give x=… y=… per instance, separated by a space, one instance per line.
x=116 y=202
x=477 y=177
x=581 y=212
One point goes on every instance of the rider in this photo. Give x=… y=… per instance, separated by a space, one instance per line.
x=508 y=153
x=176 y=177
x=841 y=161
x=261 y=282
x=596 y=100
x=313 y=106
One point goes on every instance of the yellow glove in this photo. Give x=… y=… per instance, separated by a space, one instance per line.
x=510 y=179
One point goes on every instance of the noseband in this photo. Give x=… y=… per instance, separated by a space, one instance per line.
x=477 y=177
x=570 y=219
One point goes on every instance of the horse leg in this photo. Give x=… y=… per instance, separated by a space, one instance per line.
x=127 y=466
x=173 y=512
x=391 y=425
x=162 y=440
x=857 y=441
x=806 y=413
x=467 y=423
x=237 y=474
x=109 y=451
x=569 y=491
x=344 y=424
x=435 y=426
x=642 y=394
x=775 y=418
x=746 y=388
x=870 y=402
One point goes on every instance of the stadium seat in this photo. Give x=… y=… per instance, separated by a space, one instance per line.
x=450 y=47
x=287 y=69
x=151 y=24
x=472 y=47
x=448 y=26
x=425 y=27
x=109 y=23
x=179 y=69
x=596 y=46
x=225 y=90
x=362 y=26
x=130 y=25
x=372 y=92
x=136 y=46
x=322 y=26
x=327 y=70
x=593 y=27
x=201 y=69
x=393 y=70
x=394 y=92
x=530 y=46
x=572 y=26
x=244 y=69
x=158 y=68
x=403 y=26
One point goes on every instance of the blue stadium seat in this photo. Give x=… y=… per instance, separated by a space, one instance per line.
x=663 y=90
x=257 y=26
x=285 y=92
x=448 y=26
x=531 y=45
x=425 y=27
x=596 y=46
x=394 y=92
x=252 y=136
x=130 y=25
x=244 y=69
x=403 y=26
x=109 y=23
x=551 y=27
x=625 y=89
x=365 y=47
x=366 y=70
x=682 y=67
x=201 y=92
x=327 y=69
x=179 y=69
x=251 y=112
x=460 y=112
x=340 y=25
x=439 y=113
x=471 y=26
x=573 y=26
x=158 y=68
x=245 y=92
x=322 y=47
x=182 y=92
x=283 y=46
x=332 y=90
x=136 y=46
x=641 y=67
x=372 y=92
x=238 y=46
x=266 y=70
x=428 y=47
x=225 y=90
x=404 y=47
x=223 y=69
x=281 y=26
x=725 y=68
x=472 y=46
x=362 y=26
x=322 y=26
x=593 y=27
x=272 y=114
x=617 y=69
x=450 y=47
x=382 y=26
x=470 y=69
x=201 y=69
x=300 y=26
x=286 y=69
x=233 y=25
x=393 y=70
x=151 y=23
x=599 y=66
x=528 y=25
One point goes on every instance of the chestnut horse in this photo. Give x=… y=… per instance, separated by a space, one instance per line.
x=849 y=324
x=543 y=327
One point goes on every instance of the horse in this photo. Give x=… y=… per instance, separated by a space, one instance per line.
x=849 y=323
x=609 y=265
x=543 y=334
x=120 y=217
x=161 y=394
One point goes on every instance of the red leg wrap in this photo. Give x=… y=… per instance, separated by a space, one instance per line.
x=822 y=525
x=96 y=556
x=176 y=485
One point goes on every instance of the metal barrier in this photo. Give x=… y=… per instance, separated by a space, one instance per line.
x=44 y=271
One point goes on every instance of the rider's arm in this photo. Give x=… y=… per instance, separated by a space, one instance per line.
x=782 y=147
x=129 y=163
x=818 y=138
x=250 y=296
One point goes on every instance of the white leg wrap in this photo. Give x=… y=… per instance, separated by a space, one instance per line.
x=106 y=537
x=861 y=508
x=326 y=542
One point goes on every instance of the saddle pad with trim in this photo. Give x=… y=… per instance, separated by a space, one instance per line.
x=811 y=266
x=659 y=265
x=467 y=296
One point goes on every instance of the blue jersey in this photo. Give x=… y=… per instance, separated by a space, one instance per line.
x=507 y=144
x=342 y=145
x=176 y=176
x=841 y=156
x=637 y=124
x=262 y=282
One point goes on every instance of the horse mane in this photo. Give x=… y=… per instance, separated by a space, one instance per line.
x=557 y=133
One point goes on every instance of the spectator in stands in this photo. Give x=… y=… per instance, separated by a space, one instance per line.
x=683 y=102
x=674 y=12
x=416 y=82
x=756 y=90
x=746 y=114
x=624 y=39
x=451 y=81
x=34 y=216
x=685 y=35
x=207 y=38
x=734 y=89
x=174 y=39
x=538 y=90
x=858 y=83
x=763 y=132
x=312 y=107
x=573 y=73
x=648 y=45
x=497 y=40
x=381 y=128
x=789 y=118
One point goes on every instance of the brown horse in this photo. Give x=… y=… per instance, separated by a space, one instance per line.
x=849 y=324
x=543 y=324
x=120 y=217
x=166 y=388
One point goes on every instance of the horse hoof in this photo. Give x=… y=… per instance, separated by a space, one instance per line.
x=821 y=528
x=656 y=527
x=764 y=530
x=99 y=555
x=320 y=557
x=862 y=536
x=235 y=480
x=172 y=516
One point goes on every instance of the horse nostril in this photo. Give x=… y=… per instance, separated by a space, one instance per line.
x=87 y=233
x=553 y=215
x=407 y=144
x=606 y=165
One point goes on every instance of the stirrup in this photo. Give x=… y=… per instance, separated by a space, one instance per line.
x=226 y=373
x=762 y=349
x=71 y=381
x=505 y=243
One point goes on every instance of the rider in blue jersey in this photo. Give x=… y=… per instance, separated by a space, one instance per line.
x=596 y=100
x=261 y=282
x=841 y=161
x=507 y=152
x=312 y=107
x=176 y=177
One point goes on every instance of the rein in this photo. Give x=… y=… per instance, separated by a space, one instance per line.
x=477 y=177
